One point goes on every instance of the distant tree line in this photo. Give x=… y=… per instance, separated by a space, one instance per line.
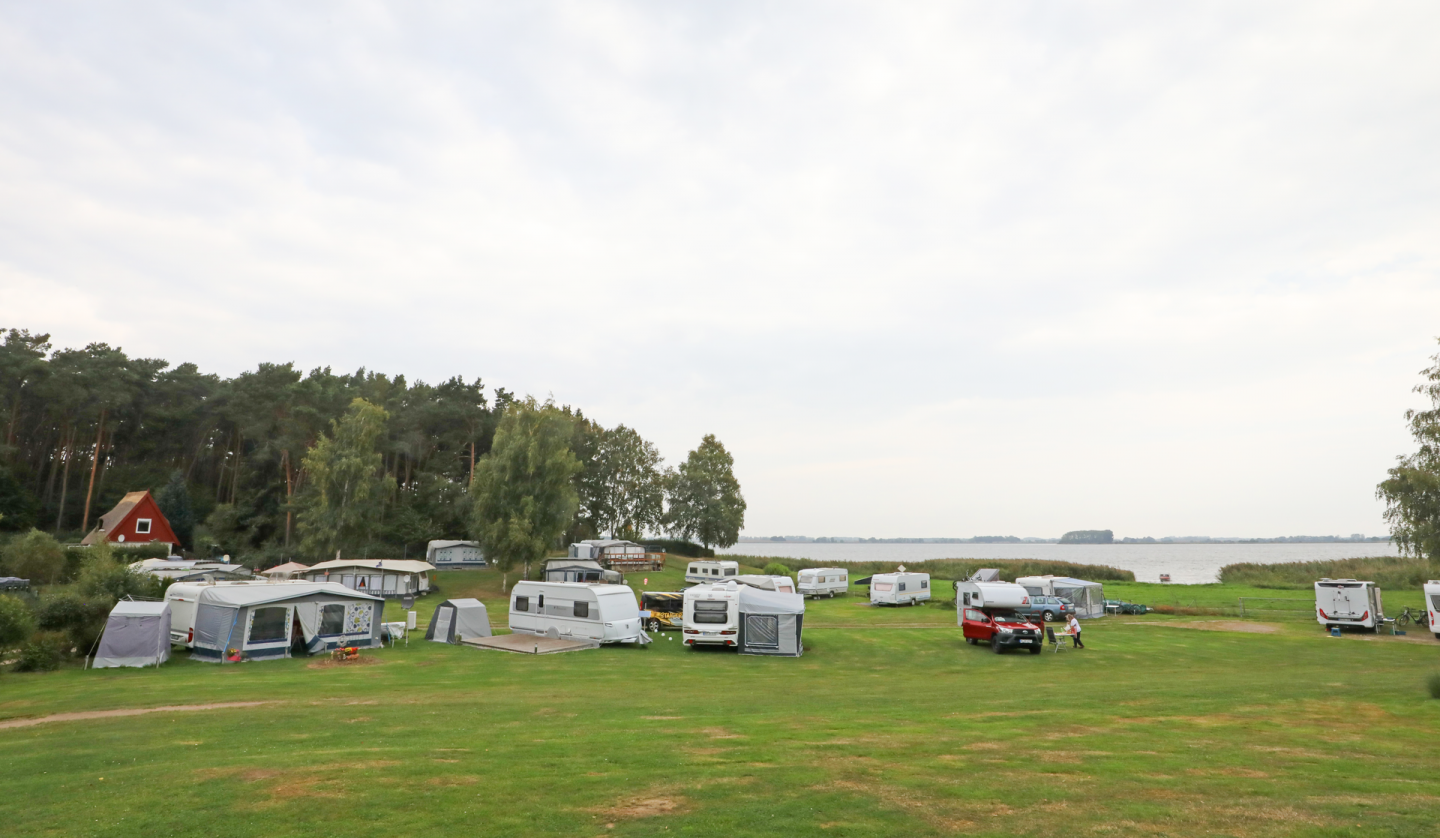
x=281 y=463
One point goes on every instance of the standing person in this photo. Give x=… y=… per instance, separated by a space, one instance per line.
x=1073 y=627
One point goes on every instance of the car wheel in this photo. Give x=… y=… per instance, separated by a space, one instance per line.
x=1048 y=616
x=1034 y=650
x=996 y=647
x=652 y=625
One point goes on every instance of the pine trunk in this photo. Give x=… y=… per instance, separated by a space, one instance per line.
x=94 y=467
x=65 y=480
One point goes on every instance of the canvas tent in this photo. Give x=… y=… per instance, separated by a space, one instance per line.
x=770 y=622
x=136 y=634
x=1089 y=597
x=289 y=570
x=455 y=619
x=260 y=621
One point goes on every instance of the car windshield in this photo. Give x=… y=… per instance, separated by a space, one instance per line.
x=1010 y=618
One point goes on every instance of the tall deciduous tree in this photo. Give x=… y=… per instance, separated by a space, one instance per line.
x=347 y=486
x=523 y=493
x=1412 y=491
x=630 y=482
x=704 y=496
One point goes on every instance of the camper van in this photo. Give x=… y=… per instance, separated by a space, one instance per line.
x=824 y=581
x=1432 y=605
x=603 y=613
x=899 y=588
x=1348 y=602
x=989 y=612
x=710 y=571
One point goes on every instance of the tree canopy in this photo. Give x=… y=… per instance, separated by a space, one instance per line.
x=705 y=500
x=1412 y=490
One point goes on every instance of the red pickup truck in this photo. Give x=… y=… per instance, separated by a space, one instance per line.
x=1001 y=629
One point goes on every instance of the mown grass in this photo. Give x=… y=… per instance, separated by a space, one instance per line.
x=880 y=730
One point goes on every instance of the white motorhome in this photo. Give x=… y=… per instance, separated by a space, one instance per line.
x=899 y=588
x=1348 y=602
x=988 y=595
x=824 y=581
x=708 y=570
x=1432 y=605
x=781 y=584
x=712 y=615
x=602 y=613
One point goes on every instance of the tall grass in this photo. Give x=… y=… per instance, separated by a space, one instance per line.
x=1396 y=572
x=1009 y=569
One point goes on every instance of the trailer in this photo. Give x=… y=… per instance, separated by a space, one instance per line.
x=824 y=581
x=900 y=588
x=753 y=621
x=1432 y=605
x=577 y=610
x=1348 y=602
x=710 y=570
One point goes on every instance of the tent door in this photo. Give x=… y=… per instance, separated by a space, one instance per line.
x=442 y=624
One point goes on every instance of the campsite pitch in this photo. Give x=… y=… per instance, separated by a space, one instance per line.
x=876 y=731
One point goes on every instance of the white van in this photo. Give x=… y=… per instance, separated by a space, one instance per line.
x=1348 y=602
x=708 y=570
x=1432 y=605
x=899 y=588
x=824 y=581
x=712 y=615
x=603 y=613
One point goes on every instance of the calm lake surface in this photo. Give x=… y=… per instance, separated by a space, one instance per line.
x=1188 y=564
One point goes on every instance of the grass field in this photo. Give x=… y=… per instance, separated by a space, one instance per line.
x=888 y=726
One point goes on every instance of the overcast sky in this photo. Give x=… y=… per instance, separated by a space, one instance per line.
x=926 y=270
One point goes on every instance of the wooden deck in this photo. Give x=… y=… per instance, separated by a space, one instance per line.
x=529 y=644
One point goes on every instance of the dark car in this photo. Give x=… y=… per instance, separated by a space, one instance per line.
x=1048 y=608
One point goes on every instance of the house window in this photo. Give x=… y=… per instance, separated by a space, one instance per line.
x=142 y=526
x=332 y=619
x=582 y=609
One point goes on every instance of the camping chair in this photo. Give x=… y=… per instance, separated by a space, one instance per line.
x=1057 y=641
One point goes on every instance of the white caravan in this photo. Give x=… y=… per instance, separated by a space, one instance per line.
x=781 y=584
x=987 y=595
x=577 y=610
x=712 y=615
x=824 y=581
x=182 y=597
x=707 y=570
x=1432 y=604
x=899 y=588
x=1348 y=602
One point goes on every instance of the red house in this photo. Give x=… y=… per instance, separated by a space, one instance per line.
x=136 y=519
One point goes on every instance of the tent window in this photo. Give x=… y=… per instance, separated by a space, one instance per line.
x=712 y=612
x=582 y=609
x=268 y=625
x=762 y=630
x=522 y=603
x=332 y=619
x=142 y=526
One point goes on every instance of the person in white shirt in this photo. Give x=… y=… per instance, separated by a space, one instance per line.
x=1073 y=628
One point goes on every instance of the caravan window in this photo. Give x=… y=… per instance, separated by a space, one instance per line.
x=712 y=612
x=582 y=609
x=268 y=625
x=881 y=586
x=902 y=586
x=729 y=571
x=332 y=618
x=924 y=583
x=522 y=603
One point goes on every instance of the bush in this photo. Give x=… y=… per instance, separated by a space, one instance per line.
x=36 y=556
x=80 y=619
x=16 y=621
x=103 y=576
x=1395 y=572
x=43 y=653
x=776 y=569
x=1433 y=684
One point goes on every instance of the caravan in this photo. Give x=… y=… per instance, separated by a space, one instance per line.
x=1348 y=602
x=782 y=584
x=576 y=610
x=232 y=622
x=899 y=588
x=708 y=570
x=754 y=621
x=824 y=581
x=1432 y=605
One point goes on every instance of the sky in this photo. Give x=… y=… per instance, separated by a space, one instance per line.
x=926 y=269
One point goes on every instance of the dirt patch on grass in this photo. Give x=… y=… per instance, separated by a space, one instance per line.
x=138 y=711
x=449 y=782
x=331 y=663
x=1214 y=625
x=662 y=718
x=720 y=733
x=644 y=806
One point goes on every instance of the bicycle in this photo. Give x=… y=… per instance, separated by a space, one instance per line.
x=1405 y=617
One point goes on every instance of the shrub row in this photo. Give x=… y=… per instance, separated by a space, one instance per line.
x=1395 y=572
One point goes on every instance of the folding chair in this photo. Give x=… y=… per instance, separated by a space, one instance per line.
x=1057 y=642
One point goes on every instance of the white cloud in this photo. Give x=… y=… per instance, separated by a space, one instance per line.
x=933 y=269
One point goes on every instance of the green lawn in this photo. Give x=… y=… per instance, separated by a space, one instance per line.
x=880 y=730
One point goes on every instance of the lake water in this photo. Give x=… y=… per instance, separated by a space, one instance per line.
x=1186 y=563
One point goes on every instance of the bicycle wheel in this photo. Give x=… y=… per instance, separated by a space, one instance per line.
x=1403 y=620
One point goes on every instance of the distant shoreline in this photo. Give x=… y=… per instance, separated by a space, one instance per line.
x=1150 y=542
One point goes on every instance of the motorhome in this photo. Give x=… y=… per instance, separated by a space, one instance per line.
x=1348 y=602
x=781 y=584
x=598 y=612
x=712 y=615
x=989 y=612
x=1432 y=605
x=706 y=570
x=824 y=581
x=986 y=595
x=899 y=588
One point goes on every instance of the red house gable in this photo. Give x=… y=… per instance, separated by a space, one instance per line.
x=136 y=519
